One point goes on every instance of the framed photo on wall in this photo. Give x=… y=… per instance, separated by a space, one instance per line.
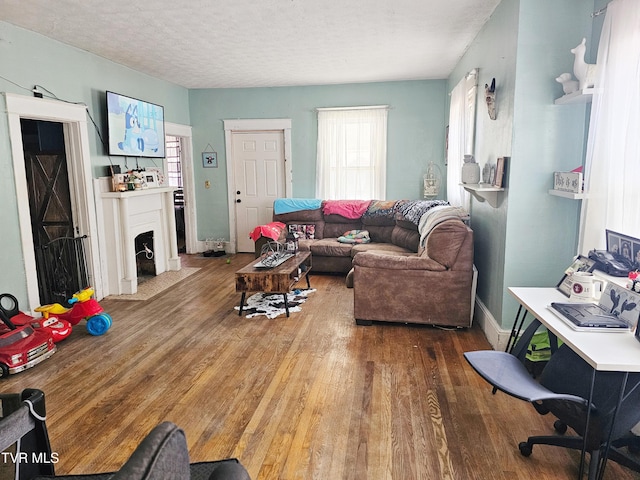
x=209 y=159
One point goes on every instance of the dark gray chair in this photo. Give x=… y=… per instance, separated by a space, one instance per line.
x=162 y=454
x=564 y=389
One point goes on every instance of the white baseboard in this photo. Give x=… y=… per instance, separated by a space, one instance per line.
x=497 y=337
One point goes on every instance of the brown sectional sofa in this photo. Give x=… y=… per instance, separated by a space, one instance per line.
x=417 y=269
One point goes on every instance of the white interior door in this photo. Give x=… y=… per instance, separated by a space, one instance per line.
x=259 y=172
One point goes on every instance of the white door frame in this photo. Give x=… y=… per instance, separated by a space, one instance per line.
x=254 y=126
x=74 y=120
x=188 y=182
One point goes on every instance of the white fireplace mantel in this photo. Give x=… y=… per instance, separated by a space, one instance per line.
x=127 y=215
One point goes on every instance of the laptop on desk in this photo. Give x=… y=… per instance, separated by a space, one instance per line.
x=618 y=310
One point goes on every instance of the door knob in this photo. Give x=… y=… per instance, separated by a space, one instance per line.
x=238 y=192
x=238 y=201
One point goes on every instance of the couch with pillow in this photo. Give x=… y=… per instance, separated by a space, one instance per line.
x=412 y=260
x=324 y=227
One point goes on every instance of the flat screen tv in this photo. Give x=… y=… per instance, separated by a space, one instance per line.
x=135 y=128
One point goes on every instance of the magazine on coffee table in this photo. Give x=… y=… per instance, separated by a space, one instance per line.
x=273 y=261
x=617 y=310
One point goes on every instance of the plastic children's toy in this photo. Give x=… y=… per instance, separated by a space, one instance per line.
x=83 y=306
x=59 y=329
x=22 y=347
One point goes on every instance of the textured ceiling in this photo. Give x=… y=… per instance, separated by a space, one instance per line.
x=264 y=43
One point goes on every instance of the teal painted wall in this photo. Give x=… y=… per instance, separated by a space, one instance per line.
x=542 y=230
x=415 y=135
x=494 y=53
x=531 y=236
x=29 y=59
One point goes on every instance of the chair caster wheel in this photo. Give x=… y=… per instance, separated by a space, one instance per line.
x=560 y=427
x=525 y=449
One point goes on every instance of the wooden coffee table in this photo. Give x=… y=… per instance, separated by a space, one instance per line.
x=279 y=279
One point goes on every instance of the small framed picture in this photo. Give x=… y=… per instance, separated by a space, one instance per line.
x=501 y=167
x=623 y=245
x=150 y=179
x=580 y=264
x=209 y=159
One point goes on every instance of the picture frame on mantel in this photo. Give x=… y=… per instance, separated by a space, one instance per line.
x=501 y=167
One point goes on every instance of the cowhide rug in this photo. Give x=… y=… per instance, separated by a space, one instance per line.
x=272 y=304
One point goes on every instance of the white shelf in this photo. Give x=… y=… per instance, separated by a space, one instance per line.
x=570 y=195
x=581 y=96
x=483 y=191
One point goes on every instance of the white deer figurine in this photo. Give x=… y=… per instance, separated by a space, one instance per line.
x=584 y=72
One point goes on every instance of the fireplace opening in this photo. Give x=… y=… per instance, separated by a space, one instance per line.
x=145 y=261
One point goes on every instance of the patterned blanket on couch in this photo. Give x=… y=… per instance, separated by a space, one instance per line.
x=413 y=210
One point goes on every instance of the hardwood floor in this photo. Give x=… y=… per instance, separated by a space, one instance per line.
x=312 y=396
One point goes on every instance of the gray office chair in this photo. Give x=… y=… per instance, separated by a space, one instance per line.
x=563 y=390
x=162 y=454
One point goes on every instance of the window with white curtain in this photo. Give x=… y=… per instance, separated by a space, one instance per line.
x=462 y=118
x=612 y=166
x=352 y=153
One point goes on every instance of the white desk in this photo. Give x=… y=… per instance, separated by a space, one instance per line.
x=604 y=351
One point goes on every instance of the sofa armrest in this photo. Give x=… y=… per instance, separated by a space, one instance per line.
x=394 y=261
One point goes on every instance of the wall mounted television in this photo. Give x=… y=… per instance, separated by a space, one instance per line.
x=135 y=127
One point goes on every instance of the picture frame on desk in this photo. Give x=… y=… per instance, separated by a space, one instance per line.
x=620 y=244
x=580 y=264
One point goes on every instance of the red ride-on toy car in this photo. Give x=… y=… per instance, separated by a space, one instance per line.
x=83 y=306
x=58 y=329
x=22 y=347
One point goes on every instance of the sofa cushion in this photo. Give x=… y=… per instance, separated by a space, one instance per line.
x=445 y=241
x=406 y=238
x=404 y=223
x=378 y=221
x=379 y=233
x=330 y=247
x=381 y=261
x=335 y=218
x=334 y=230
x=379 y=247
x=301 y=216
x=304 y=245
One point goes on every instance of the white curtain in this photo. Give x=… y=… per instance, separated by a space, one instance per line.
x=612 y=166
x=462 y=112
x=352 y=153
